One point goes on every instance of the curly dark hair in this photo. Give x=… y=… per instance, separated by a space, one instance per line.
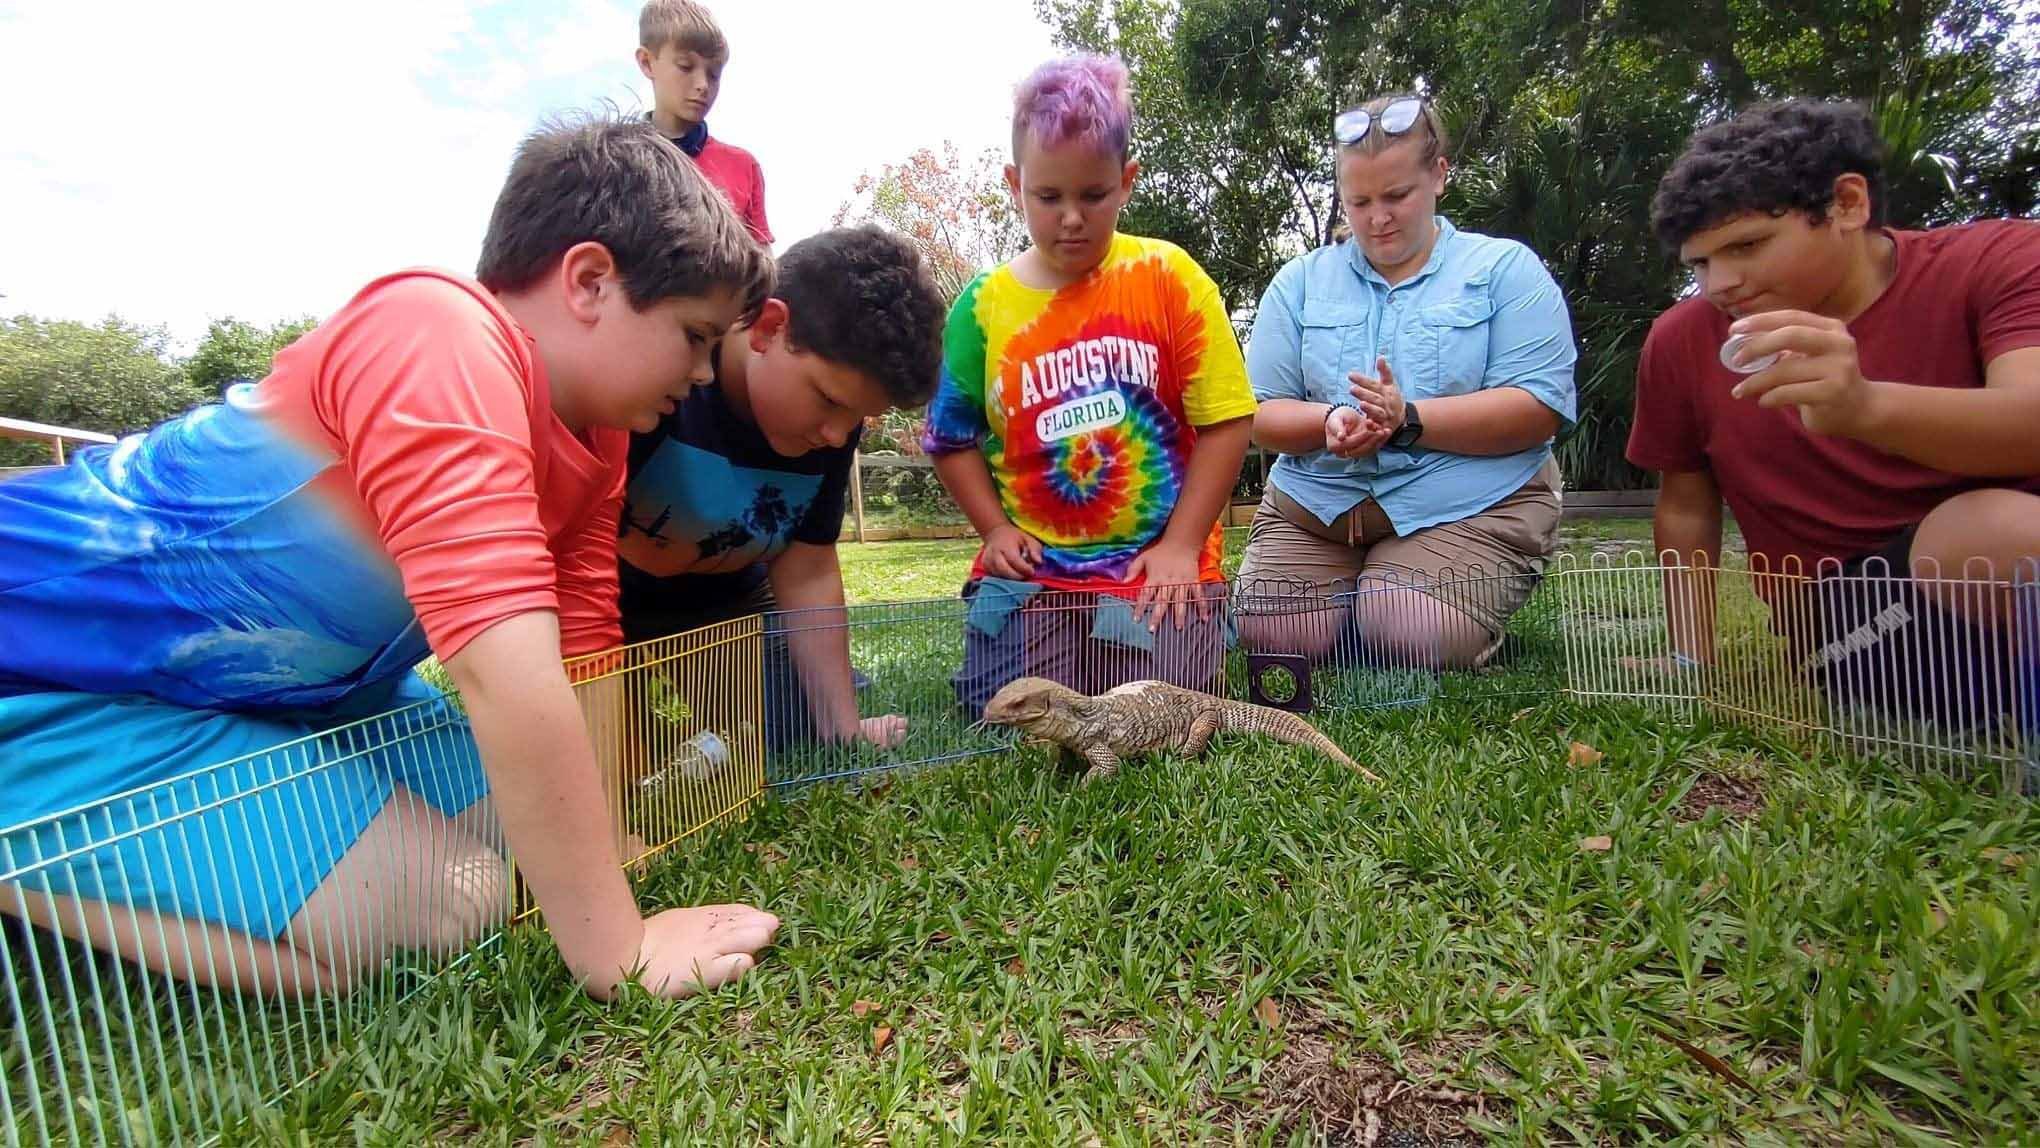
x=863 y=297
x=1773 y=158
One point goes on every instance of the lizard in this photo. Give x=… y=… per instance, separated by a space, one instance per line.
x=1143 y=717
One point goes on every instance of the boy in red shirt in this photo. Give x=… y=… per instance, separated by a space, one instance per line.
x=1880 y=417
x=682 y=52
x=436 y=469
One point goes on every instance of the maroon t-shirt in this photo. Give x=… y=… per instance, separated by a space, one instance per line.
x=1962 y=296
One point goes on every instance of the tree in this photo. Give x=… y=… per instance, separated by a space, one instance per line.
x=113 y=377
x=1229 y=179
x=959 y=215
x=116 y=376
x=234 y=350
x=1563 y=117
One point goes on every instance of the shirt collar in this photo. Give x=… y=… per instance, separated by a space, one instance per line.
x=1445 y=233
x=695 y=139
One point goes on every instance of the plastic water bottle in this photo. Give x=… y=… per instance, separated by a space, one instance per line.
x=697 y=758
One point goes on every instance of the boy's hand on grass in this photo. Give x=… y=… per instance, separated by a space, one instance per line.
x=693 y=950
x=1011 y=552
x=1170 y=572
x=884 y=732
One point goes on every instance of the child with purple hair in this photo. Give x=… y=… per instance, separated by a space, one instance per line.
x=1092 y=417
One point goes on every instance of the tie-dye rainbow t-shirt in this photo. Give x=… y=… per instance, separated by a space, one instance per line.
x=1086 y=402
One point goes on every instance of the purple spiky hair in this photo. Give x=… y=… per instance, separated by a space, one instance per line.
x=1076 y=98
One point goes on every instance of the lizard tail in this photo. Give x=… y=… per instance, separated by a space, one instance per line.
x=1243 y=717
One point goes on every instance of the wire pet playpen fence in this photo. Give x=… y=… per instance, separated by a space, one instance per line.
x=131 y=1024
x=125 y=1026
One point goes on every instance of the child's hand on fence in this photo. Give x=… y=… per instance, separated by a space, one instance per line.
x=1170 y=572
x=686 y=951
x=1011 y=552
x=884 y=732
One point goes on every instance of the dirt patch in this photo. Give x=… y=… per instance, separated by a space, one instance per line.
x=1109 y=1039
x=1345 y=1095
x=1738 y=798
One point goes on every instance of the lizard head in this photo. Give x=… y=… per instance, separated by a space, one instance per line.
x=1025 y=702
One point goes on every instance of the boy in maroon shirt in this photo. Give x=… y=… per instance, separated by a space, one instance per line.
x=1894 y=427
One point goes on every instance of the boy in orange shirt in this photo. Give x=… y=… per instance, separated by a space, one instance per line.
x=436 y=469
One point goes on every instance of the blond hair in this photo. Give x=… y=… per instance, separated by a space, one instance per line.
x=1428 y=128
x=684 y=23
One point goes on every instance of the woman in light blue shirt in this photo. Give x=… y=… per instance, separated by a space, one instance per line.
x=1412 y=377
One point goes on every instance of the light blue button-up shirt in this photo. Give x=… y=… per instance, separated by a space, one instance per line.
x=1482 y=313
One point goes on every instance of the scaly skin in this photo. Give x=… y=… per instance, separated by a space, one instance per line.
x=1144 y=717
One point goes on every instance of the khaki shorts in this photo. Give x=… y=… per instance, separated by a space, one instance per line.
x=1484 y=566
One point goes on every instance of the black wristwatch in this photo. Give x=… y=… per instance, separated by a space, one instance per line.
x=1410 y=431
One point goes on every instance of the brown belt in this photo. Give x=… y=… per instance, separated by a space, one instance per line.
x=1364 y=525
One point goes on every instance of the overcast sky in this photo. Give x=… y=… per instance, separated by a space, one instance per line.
x=175 y=162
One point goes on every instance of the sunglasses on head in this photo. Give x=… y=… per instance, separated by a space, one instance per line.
x=1395 y=119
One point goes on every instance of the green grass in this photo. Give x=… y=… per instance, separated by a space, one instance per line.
x=905 y=571
x=1056 y=964
x=1451 y=955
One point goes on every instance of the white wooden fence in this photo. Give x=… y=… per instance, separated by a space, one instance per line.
x=55 y=436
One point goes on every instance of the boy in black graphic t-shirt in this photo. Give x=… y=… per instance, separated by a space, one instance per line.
x=735 y=502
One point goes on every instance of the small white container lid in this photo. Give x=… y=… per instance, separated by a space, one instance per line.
x=1734 y=344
